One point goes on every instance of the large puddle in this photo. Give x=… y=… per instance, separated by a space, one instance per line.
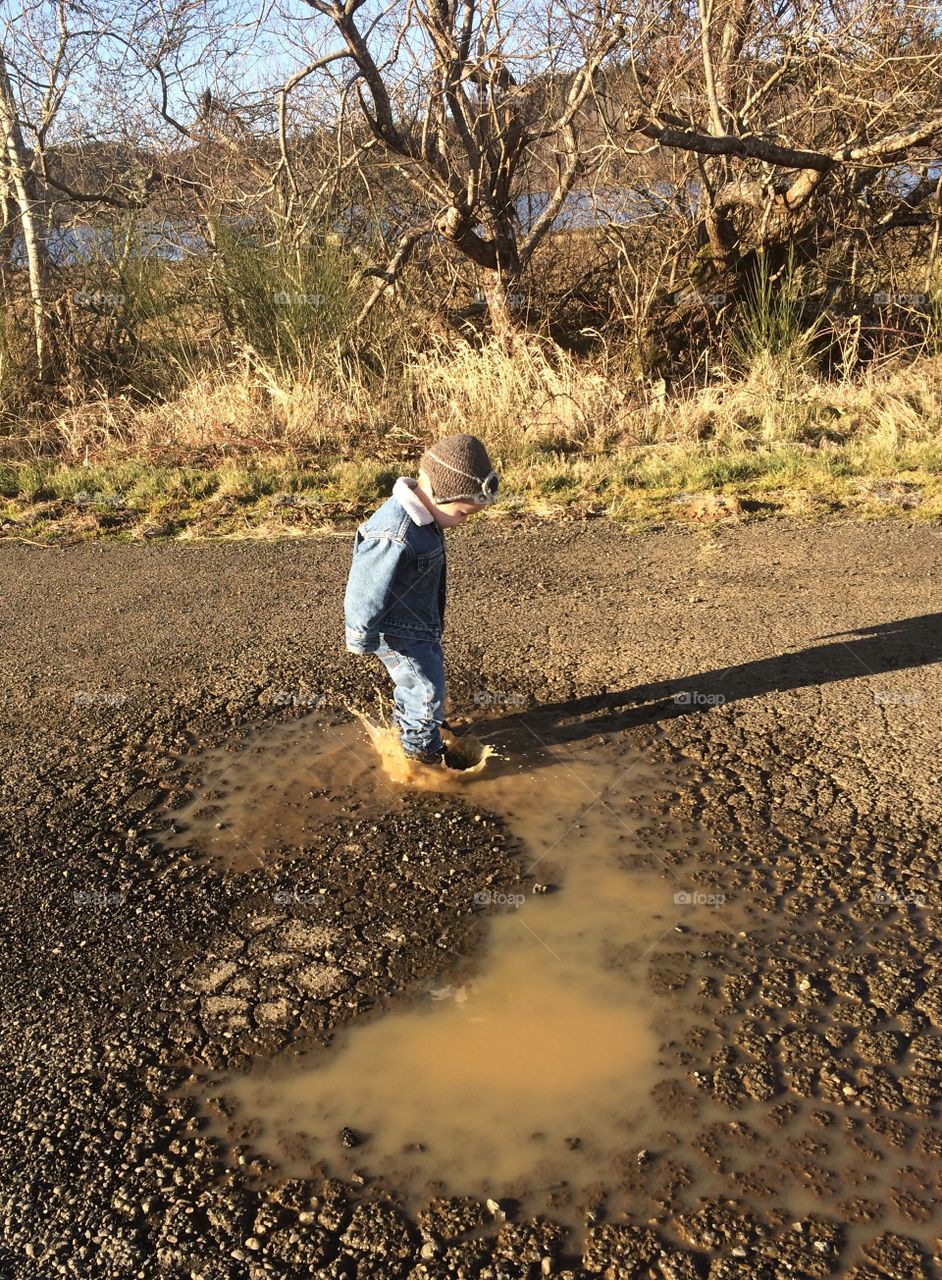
x=534 y=1074
x=531 y=1079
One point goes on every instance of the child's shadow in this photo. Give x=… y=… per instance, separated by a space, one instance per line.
x=865 y=653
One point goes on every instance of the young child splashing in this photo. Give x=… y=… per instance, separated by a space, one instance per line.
x=394 y=604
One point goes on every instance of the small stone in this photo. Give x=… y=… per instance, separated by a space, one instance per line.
x=349 y=1137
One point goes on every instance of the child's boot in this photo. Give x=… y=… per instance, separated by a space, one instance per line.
x=426 y=757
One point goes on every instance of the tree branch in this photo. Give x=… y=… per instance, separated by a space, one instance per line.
x=389 y=277
x=747 y=146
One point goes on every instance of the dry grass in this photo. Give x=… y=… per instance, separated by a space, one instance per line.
x=533 y=398
x=777 y=403
x=239 y=450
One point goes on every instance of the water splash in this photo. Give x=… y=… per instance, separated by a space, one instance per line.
x=406 y=770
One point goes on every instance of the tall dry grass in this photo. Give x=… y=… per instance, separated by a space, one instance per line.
x=535 y=398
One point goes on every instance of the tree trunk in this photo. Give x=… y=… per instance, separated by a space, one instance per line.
x=498 y=294
x=22 y=178
x=9 y=217
x=723 y=240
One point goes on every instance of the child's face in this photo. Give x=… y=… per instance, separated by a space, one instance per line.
x=458 y=512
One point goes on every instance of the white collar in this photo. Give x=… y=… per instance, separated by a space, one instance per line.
x=404 y=492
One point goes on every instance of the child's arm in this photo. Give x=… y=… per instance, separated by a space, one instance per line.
x=369 y=590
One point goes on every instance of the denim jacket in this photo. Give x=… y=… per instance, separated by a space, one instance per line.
x=397 y=579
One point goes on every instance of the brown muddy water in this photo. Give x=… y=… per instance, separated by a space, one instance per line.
x=537 y=1071
x=532 y=1079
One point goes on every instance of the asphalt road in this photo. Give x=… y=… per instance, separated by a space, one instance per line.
x=795 y=668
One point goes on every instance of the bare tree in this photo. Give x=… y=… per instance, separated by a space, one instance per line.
x=799 y=120
x=91 y=99
x=33 y=72
x=463 y=97
x=21 y=199
x=737 y=129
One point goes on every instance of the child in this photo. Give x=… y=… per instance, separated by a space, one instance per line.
x=394 y=605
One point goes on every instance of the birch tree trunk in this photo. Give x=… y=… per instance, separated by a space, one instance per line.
x=21 y=177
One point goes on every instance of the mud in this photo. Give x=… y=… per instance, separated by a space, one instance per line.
x=526 y=1080
x=789 y=674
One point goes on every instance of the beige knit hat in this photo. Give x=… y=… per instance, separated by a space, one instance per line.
x=459 y=470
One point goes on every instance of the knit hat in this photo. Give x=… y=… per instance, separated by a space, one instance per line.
x=459 y=470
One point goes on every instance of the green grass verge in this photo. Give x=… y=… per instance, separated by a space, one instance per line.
x=282 y=496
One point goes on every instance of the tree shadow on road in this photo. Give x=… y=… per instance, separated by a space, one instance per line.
x=863 y=653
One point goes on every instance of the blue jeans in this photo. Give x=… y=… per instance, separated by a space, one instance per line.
x=417 y=668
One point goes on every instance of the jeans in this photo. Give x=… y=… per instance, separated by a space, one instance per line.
x=417 y=668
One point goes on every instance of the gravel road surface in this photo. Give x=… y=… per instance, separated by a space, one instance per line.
x=794 y=672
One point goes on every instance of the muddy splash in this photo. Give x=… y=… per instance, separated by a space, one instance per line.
x=472 y=754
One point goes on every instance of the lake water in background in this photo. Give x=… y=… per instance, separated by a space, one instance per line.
x=582 y=210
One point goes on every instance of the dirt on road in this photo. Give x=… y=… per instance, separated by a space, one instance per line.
x=781 y=685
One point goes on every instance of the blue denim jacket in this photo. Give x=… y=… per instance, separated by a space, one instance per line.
x=397 y=579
